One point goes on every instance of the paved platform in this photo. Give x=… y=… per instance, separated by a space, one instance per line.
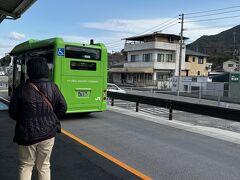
x=70 y=160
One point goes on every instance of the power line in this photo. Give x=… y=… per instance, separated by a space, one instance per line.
x=171 y=25
x=163 y=46
x=212 y=14
x=119 y=45
x=114 y=47
x=212 y=10
x=170 y=21
x=121 y=42
x=229 y=46
x=113 y=42
x=201 y=20
x=209 y=27
x=161 y=25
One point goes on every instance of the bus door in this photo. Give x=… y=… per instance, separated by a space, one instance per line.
x=19 y=73
x=82 y=78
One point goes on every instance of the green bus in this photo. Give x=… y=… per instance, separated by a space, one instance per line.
x=79 y=70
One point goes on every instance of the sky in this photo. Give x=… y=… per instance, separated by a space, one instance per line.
x=109 y=21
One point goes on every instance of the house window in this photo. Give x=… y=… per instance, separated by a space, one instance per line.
x=193 y=59
x=169 y=58
x=160 y=58
x=200 y=60
x=198 y=73
x=230 y=65
x=147 y=57
x=134 y=58
x=160 y=76
x=187 y=59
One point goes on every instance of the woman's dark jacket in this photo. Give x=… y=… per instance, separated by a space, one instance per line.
x=35 y=120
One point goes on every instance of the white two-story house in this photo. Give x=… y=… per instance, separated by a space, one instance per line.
x=151 y=58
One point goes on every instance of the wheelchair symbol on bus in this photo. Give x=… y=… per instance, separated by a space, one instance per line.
x=60 y=51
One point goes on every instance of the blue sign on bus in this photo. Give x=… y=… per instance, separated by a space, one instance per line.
x=60 y=51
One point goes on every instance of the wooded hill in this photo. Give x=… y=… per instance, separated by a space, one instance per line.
x=220 y=47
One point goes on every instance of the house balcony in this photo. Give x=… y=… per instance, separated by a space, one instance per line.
x=151 y=45
x=153 y=65
x=165 y=65
x=138 y=64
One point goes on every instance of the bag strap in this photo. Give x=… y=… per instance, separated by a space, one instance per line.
x=43 y=96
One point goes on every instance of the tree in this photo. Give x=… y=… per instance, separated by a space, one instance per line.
x=5 y=61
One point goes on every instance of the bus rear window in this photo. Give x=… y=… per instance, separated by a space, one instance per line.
x=87 y=66
x=82 y=53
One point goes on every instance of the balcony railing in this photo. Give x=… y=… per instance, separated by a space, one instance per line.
x=151 y=45
x=152 y=63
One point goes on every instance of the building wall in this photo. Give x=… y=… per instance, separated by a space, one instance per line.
x=200 y=86
x=229 y=66
x=154 y=48
x=138 y=64
x=161 y=39
x=189 y=83
x=140 y=55
x=163 y=68
x=167 y=40
x=194 y=67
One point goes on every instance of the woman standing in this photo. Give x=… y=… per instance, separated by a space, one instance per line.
x=36 y=106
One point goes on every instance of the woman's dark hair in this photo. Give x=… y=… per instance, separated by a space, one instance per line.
x=37 y=68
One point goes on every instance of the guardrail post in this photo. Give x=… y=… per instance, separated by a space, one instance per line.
x=170 y=111
x=137 y=106
x=219 y=98
x=200 y=94
x=112 y=102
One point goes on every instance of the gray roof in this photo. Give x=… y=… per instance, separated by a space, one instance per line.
x=141 y=37
x=195 y=53
x=13 y=9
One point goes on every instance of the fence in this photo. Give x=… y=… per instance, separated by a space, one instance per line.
x=191 y=105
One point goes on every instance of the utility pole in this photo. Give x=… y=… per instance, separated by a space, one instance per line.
x=234 y=40
x=236 y=57
x=180 y=54
x=234 y=45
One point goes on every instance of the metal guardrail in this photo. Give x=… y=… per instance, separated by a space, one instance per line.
x=215 y=95
x=192 y=107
